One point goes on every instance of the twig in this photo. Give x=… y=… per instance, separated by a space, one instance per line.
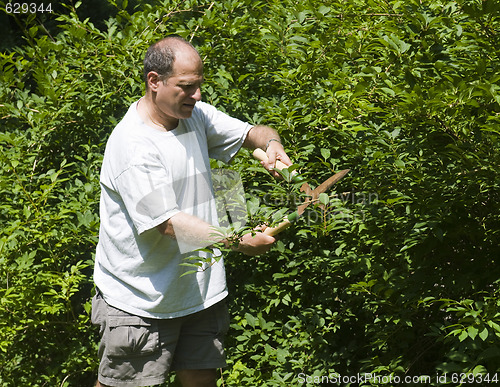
x=382 y=14
x=198 y=26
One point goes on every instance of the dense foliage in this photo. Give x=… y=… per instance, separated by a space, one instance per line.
x=394 y=273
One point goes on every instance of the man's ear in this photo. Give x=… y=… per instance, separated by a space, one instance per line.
x=153 y=80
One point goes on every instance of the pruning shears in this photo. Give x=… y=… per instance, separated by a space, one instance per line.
x=259 y=154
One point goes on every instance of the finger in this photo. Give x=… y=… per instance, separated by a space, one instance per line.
x=271 y=156
x=283 y=157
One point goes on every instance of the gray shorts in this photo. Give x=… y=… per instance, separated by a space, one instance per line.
x=138 y=351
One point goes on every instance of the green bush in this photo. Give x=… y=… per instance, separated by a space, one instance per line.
x=392 y=274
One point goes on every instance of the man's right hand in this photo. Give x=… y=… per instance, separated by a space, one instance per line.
x=256 y=244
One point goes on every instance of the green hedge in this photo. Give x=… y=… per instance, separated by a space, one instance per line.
x=394 y=273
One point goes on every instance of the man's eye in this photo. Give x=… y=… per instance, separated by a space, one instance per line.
x=189 y=88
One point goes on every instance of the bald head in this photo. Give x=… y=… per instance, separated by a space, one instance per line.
x=161 y=56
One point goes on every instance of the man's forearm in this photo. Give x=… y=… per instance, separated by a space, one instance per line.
x=268 y=139
x=192 y=230
x=189 y=228
x=260 y=136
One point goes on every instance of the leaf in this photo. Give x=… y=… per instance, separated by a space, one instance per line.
x=484 y=334
x=252 y=321
x=324 y=9
x=399 y=163
x=472 y=332
x=463 y=335
x=480 y=370
x=324 y=198
x=494 y=325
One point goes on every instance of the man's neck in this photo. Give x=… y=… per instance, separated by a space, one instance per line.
x=152 y=116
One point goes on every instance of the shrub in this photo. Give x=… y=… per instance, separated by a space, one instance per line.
x=393 y=273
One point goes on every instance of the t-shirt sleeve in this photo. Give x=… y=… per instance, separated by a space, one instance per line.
x=147 y=192
x=225 y=134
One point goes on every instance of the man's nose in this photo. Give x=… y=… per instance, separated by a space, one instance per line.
x=197 y=94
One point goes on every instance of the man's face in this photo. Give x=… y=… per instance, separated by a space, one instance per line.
x=177 y=95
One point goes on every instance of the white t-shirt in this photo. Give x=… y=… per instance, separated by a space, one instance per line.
x=147 y=177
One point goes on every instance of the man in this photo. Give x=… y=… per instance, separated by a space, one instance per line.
x=156 y=209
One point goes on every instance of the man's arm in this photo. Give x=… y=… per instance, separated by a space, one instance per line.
x=190 y=228
x=193 y=230
x=266 y=138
